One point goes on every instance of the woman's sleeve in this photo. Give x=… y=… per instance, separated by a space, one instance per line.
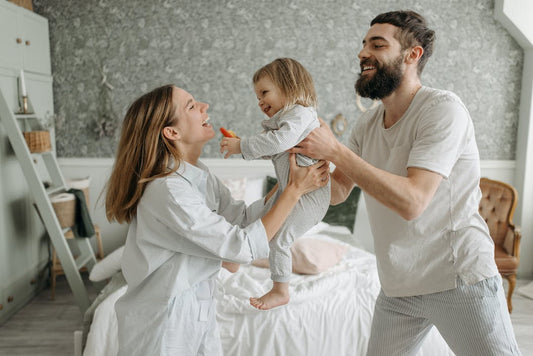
x=236 y=211
x=186 y=224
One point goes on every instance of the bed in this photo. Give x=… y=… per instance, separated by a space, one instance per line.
x=330 y=311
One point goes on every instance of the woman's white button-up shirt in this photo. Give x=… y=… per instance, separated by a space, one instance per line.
x=186 y=223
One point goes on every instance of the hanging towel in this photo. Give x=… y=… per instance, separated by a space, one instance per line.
x=84 y=224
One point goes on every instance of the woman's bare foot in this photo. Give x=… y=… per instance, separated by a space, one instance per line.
x=278 y=296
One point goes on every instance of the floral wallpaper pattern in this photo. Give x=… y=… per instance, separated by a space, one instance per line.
x=106 y=53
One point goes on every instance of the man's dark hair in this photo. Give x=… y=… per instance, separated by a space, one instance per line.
x=412 y=31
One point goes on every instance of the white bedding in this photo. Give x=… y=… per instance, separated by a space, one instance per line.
x=328 y=314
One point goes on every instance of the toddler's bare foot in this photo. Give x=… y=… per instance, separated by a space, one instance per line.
x=270 y=300
x=231 y=266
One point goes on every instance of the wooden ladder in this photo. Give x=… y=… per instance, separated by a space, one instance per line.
x=41 y=195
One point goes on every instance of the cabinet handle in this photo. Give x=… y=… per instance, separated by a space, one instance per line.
x=10 y=299
x=1 y=307
x=19 y=40
x=27 y=42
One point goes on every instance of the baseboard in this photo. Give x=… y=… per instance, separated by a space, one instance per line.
x=19 y=293
x=113 y=235
x=489 y=168
x=499 y=170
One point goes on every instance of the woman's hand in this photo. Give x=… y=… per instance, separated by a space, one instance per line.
x=321 y=143
x=307 y=179
x=301 y=180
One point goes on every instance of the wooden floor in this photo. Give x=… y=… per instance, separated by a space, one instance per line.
x=45 y=327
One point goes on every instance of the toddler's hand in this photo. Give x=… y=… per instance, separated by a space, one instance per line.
x=230 y=145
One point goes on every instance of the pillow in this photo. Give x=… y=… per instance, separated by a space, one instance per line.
x=254 y=189
x=342 y=214
x=236 y=186
x=107 y=267
x=311 y=256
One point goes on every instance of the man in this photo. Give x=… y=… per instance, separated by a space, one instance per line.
x=416 y=159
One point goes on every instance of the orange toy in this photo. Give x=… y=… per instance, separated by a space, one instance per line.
x=228 y=133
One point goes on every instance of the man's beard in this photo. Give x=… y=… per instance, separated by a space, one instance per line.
x=386 y=80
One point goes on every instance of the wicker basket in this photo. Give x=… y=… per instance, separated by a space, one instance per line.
x=28 y=4
x=82 y=184
x=64 y=205
x=38 y=141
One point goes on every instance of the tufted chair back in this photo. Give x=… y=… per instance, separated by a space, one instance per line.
x=497 y=206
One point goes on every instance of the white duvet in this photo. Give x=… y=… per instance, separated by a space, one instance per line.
x=329 y=314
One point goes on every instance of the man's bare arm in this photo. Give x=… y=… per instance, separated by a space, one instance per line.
x=408 y=196
x=341 y=186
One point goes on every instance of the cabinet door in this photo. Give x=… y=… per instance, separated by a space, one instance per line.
x=5 y=86
x=40 y=94
x=15 y=203
x=9 y=86
x=35 y=41
x=10 y=53
x=24 y=40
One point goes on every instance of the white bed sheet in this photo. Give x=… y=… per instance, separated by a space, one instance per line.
x=328 y=314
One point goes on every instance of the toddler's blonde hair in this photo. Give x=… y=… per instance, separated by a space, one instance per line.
x=292 y=79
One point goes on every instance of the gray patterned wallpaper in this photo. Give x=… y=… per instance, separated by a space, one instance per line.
x=212 y=48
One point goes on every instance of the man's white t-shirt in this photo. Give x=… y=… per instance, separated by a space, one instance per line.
x=449 y=239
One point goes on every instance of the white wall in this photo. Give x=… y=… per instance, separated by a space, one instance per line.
x=515 y=16
x=113 y=235
x=98 y=169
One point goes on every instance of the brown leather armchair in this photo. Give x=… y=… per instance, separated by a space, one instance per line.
x=497 y=207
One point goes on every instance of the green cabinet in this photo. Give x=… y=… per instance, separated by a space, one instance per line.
x=24 y=44
x=24 y=39
x=8 y=36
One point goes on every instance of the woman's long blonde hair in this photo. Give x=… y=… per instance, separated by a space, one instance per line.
x=143 y=153
x=292 y=78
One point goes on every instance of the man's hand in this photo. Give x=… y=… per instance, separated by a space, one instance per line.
x=230 y=145
x=319 y=144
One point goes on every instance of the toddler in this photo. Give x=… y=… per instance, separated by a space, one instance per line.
x=287 y=96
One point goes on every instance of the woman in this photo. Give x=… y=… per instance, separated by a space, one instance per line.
x=183 y=224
